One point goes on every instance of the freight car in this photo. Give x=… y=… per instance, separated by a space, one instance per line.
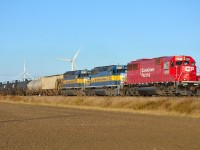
x=174 y=75
x=8 y=88
x=75 y=82
x=106 y=80
x=1 y=88
x=34 y=87
x=51 y=85
x=22 y=88
x=11 y=87
x=14 y=88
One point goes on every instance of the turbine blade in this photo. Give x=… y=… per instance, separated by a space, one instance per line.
x=20 y=75
x=24 y=66
x=76 y=54
x=68 y=60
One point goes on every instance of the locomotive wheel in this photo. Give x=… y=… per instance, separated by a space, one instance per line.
x=90 y=92
x=108 y=92
x=111 y=91
x=161 y=90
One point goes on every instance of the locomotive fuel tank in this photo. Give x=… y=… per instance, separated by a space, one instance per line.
x=69 y=92
x=148 y=91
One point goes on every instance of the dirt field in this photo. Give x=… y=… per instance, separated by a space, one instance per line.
x=31 y=127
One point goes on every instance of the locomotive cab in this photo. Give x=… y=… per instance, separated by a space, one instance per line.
x=119 y=74
x=122 y=70
x=183 y=68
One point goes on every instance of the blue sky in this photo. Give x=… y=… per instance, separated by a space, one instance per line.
x=109 y=32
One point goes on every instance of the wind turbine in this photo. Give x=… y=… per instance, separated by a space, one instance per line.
x=24 y=73
x=71 y=60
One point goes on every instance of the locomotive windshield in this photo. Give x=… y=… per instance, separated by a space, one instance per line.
x=193 y=63
x=185 y=63
x=119 y=71
x=179 y=63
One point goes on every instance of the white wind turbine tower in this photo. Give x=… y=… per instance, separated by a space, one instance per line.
x=71 y=60
x=24 y=73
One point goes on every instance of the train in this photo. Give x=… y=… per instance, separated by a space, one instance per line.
x=161 y=76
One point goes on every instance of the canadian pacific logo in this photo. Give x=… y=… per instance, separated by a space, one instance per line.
x=146 y=72
x=188 y=69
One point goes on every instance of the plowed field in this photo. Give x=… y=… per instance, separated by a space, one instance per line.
x=31 y=127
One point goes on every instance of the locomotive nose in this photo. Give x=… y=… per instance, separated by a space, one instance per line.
x=189 y=73
x=186 y=77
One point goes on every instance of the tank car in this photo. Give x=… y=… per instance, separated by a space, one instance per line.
x=1 y=88
x=75 y=82
x=34 y=87
x=107 y=80
x=11 y=88
x=22 y=88
x=173 y=75
x=4 y=90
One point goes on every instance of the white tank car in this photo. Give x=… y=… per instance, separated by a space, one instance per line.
x=34 y=87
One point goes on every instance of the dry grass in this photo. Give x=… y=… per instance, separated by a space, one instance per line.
x=178 y=106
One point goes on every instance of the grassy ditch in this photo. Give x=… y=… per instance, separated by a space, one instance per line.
x=175 y=106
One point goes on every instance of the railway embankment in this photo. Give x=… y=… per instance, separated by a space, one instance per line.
x=172 y=106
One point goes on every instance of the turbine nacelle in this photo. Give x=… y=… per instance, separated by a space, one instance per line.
x=72 y=61
x=24 y=73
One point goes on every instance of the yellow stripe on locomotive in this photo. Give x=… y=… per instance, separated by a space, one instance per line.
x=107 y=78
x=79 y=81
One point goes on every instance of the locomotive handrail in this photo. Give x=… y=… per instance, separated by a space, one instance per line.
x=180 y=76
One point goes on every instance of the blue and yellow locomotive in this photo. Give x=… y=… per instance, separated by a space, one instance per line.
x=74 y=82
x=106 y=80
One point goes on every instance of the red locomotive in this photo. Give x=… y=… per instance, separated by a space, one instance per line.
x=174 y=75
